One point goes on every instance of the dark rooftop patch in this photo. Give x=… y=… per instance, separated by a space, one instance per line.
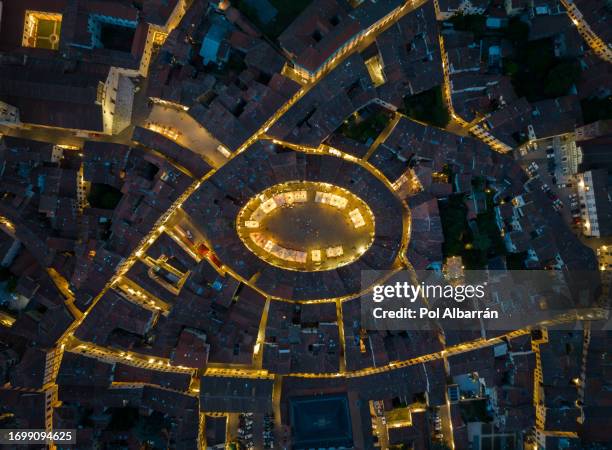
x=151 y=429
x=489 y=242
x=122 y=419
x=453 y=214
x=115 y=37
x=146 y=169
x=516 y=261
x=365 y=125
x=475 y=23
x=474 y=411
x=103 y=196
x=427 y=107
x=9 y=278
x=594 y=109
x=537 y=74
x=287 y=12
x=515 y=29
x=460 y=240
x=321 y=422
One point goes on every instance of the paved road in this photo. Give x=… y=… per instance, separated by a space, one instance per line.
x=447 y=426
x=192 y=135
x=539 y=157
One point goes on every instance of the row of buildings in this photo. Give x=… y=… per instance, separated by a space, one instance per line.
x=75 y=65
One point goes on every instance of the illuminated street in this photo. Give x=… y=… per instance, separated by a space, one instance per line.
x=185 y=131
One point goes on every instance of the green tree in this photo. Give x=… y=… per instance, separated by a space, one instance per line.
x=475 y=23
x=11 y=284
x=428 y=107
x=561 y=78
x=104 y=196
x=152 y=430
x=510 y=67
x=482 y=242
x=594 y=109
x=454 y=224
x=517 y=31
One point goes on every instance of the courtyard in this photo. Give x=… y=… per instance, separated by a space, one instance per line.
x=306 y=226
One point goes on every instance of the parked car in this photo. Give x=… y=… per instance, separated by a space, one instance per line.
x=532 y=169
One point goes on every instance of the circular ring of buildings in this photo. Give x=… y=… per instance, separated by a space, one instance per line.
x=306 y=225
x=225 y=210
